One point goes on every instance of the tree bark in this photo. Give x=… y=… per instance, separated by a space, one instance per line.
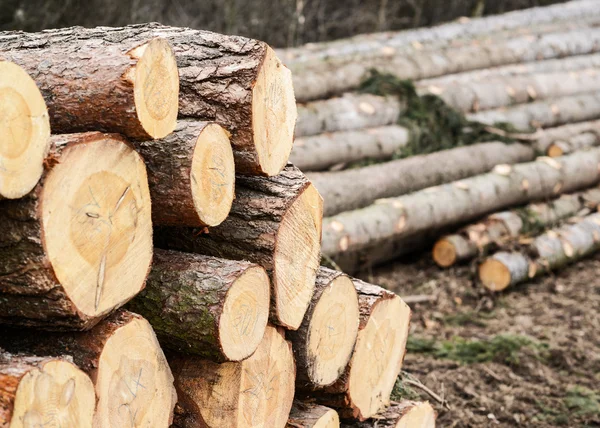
x=568 y=138
x=25 y=131
x=506 y=91
x=255 y=392
x=346 y=113
x=503 y=228
x=545 y=114
x=391 y=223
x=132 y=380
x=214 y=308
x=274 y=222
x=80 y=244
x=325 y=340
x=366 y=384
x=38 y=391
x=93 y=80
x=319 y=152
x=305 y=414
x=403 y=414
x=549 y=251
x=359 y=187
x=191 y=175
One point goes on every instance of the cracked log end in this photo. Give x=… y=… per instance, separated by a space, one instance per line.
x=212 y=175
x=494 y=274
x=133 y=382
x=273 y=114
x=24 y=131
x=156 y=87
x=444 y=253
x=421 y=415
x=297 y=257
x=378 y=357
x=332 y=332
x=44 y=392
x=245 y=314
x=97 y=231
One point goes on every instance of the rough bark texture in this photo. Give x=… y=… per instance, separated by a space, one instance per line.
x=327 y=78
x=568 y=138
x=171 y=177
x=360 y=233
x=319 y=152
x=549 y=251
x=184 y=299
x=30 y=293
x=501 y=229
x=305 y=414
x=360 y=399
x=403 y=414
x=305 y=361
x=87 y=78
x=348 y=112
x=543 y=114
x=505 y=91
x=356 y=188
x=251 y=232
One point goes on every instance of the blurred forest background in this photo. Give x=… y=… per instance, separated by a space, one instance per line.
x=281 y=23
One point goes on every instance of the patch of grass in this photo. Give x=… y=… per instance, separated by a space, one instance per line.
x=583 y=402
x=555 y=414
x=503 y=348
x=403 y=391
x=477 y=319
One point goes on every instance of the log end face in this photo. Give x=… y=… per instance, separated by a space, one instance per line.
x=55 y=394
x=378 y=357
x=555 y=151
x=273 y=114
x=444 y=253
x=25 y=131
x=297 y=257
x=332 y=332
x=245 y=314
x=134 y=382
x=421 y=415
x=212 y=175
x=156 y=87
x=494 y=275
x=331 y=419
x=96 y=220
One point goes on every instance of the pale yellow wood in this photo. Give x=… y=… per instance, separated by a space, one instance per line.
x=24 y=132
x=494 y=275
x=444 y=253
x=57 y=395
x=134 y=384
x=273 y=114
x=421 y=415
x=213 y=175
x=330 y=419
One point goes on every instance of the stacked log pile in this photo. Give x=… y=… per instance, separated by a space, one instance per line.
x=179 y=139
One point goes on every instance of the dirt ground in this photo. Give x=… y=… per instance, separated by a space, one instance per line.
x=527 y=357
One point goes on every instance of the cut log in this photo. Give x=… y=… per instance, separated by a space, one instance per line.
x=367 y=382
x=544 y=114
x=92 y=81
x=326 y=78
x=25 y=131
x=570 y=63
x=274 y=222
x=214 y=308
x=359 y=187
x=346 y=113
x=256 y=392
x=505 y=227
x=568 y=138
x=305 y=414
x=80 y=245
x=325 y=340
x=506 y=91
x=405 y=414
x=319 y=152
x=550 y=251
x=361 y=234
x=132 y=379
x=44 y=391
x=191 y=174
